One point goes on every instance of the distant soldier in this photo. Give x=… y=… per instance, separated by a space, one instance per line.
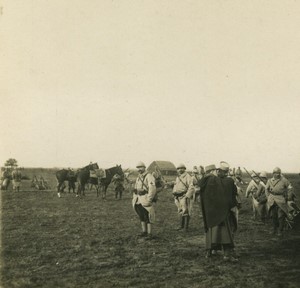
x=239 y=175
x=16 y=179
x=277 y=189
x=118 y=182
x=159 y=182
x=5 y=179
x=144 y=193
x=251 y=191
x=196 y=178
x=183 y=192
x=261 y=198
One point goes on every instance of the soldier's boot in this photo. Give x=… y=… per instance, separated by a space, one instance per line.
x=281 y=226
x=186 y=222
x=181 y=223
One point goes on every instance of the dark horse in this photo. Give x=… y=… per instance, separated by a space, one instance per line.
x=109 y=174
x=65 y=175
x=83 y=176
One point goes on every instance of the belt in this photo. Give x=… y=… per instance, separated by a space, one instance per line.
x=178 y=194
x=141 y=193
x=277 y=194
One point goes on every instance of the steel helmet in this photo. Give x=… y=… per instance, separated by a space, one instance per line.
x=276 y=170
x=180 y=166
x=140 y=164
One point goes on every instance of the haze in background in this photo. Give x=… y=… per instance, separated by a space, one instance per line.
x=116 y=82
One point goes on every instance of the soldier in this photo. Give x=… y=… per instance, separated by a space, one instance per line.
x=196 y=178
x=118 y=182
x=251 y=191
x=144 y=193
x=219 y=221
x=238 y=174
x=183 y=192
x=261 y=198
x=16 y=179
x=277 y=189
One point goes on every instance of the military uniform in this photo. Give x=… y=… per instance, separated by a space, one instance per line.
x=16 y=179
x=144 y=193
x=183 y=192
x=276 y=192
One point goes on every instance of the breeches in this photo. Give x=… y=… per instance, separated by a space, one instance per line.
x=182 y=205
x=142 y=213
x=277 y=216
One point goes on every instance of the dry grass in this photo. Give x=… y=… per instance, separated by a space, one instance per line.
x=88 y=242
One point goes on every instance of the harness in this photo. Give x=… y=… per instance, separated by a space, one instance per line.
x=143 y=192
x=180 y=194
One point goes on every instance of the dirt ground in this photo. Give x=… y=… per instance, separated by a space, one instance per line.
x=70 y=242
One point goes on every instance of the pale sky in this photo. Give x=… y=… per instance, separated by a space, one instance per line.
x=116 y=82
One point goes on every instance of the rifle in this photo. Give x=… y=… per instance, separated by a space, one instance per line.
x=258 y=176
x=248 y=173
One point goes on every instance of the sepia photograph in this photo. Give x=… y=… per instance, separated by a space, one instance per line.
x=150 y=144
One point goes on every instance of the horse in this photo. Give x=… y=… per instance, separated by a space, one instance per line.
x=83 y=176
x=65 y=175
x=109 y=174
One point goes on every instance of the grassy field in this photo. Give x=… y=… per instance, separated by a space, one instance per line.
x=87 y=242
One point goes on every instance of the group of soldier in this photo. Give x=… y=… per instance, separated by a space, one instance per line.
x=14 y=175
x=218 y=191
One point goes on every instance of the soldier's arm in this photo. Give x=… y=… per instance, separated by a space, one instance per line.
x=191 y=188
x=151 y=187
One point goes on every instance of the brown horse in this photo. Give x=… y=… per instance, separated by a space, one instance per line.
x=109 y=174
x=83 y=176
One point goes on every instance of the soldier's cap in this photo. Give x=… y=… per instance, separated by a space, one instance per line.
x=210 y=168
x=224 y=166
x=276 y=170
x=263 y=174
x=180 y=166
x=140 y=164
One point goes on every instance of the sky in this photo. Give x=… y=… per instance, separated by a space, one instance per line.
x=116 y=82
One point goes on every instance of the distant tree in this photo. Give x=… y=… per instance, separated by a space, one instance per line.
x=11 y=163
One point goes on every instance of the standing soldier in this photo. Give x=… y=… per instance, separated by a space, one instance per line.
x=183 y=192
x=16 y=178
x=196 y=178
x=260 y=196
x=118 y=182
x=277 y=189
x=252 y=190
x=144 y=193
x=238 y=174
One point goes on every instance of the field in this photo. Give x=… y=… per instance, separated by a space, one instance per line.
x=87 y=242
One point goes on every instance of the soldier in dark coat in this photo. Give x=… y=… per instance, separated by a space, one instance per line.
x=218 y=196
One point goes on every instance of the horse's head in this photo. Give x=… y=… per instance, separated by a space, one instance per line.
x=119 y=170
x=91 y=166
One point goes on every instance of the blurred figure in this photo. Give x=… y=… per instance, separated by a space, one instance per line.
x=251 y=191
x=118 y=182
x=277 y=189
x=261 y=198
x=16 y=179
x=196 y=178
x=183 y=192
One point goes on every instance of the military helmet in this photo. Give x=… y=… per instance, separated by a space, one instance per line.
x=182 y=166
x=140 y=164
x=276 y=170
x=263 y=174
